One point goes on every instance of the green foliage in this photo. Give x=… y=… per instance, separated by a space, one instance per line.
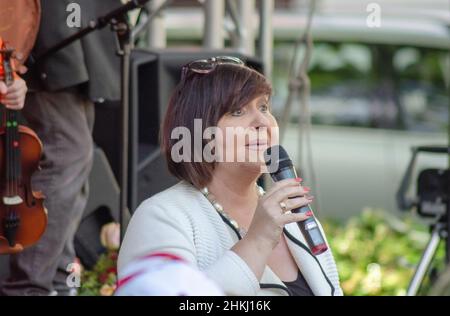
x=372 y=257
x=101 y=280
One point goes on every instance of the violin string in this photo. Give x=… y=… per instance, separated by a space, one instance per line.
x=11 y=125
x=16 y=153
x=18 y=160
x=11 y=173
x=9 y=80
x=19 y=153
x=12 y=150
x=15 y=162
x=7 y=145
x=9 y=154
x=11 y=162
x=14 y=158
x=14 y=127
x=10 y=167
x=8 y=151
x=5 y=119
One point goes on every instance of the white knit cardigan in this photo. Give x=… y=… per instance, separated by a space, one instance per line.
x=180 y=220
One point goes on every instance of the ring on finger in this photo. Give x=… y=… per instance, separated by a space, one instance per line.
x=283 y=206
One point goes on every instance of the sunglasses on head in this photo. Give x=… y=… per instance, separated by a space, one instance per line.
x=205 y=66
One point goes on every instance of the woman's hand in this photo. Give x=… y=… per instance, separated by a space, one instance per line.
x=270 y=218
x=268 y=221
x=13 y=97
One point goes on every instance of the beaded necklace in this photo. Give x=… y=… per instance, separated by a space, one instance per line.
x=219 y=208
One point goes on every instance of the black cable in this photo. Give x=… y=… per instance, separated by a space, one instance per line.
x=276 y=286
x=261 y=285
x=227 y=221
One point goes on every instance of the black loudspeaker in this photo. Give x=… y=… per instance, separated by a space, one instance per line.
x=153 y=76
x=102 y=208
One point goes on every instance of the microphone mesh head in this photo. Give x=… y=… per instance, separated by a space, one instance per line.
x=277 y=158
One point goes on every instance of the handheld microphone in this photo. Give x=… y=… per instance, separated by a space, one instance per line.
x=277 y=156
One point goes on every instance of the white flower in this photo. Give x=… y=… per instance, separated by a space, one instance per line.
x=110 y=236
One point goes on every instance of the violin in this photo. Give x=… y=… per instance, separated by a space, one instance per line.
x=23 y=217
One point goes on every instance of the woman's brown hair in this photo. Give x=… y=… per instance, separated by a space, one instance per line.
x=208 y=97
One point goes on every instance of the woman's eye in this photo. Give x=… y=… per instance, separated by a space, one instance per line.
x=264 y=108
x=237 y=113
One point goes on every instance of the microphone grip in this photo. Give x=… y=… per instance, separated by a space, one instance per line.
x=285 y=170
x=308 y=227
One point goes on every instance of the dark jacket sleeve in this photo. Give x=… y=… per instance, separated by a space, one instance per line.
x=91 y=61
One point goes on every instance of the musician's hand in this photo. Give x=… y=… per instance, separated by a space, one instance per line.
x=13 y=97
x=21 y=69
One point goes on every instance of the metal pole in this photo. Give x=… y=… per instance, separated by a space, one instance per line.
x=213 y=26
x=246 y=9
x=266 y=36
x=425 y=261
x=156 y=32
x=124 y=50
x=142 y=26
x=235 y=31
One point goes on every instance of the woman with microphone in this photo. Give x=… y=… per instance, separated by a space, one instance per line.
x=217 y=218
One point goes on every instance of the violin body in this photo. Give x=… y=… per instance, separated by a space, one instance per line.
x=31 y=210
x=23 y=217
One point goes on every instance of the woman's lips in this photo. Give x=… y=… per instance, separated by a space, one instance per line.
x=257 y=145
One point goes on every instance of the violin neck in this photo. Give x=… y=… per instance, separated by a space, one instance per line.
x=6 y=69
x=8 y=72
x=11 y=125
x=13 y=155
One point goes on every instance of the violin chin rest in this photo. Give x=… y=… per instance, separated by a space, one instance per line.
x=6 y=249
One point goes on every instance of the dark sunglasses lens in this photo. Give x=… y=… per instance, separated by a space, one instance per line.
x=201 y=66
x=229 y=60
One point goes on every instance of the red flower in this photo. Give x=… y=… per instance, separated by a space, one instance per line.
x=102 y=278
x=112 y=270
x=113 y=256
